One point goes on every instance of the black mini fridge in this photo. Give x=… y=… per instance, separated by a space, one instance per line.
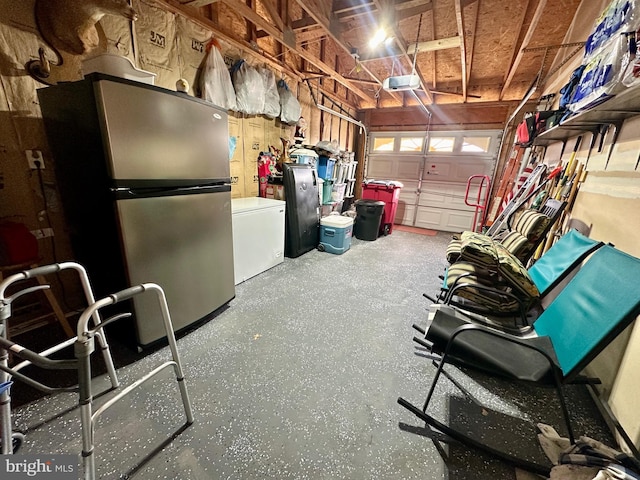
x=303 y=209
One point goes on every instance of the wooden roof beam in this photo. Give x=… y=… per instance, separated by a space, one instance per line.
x=330 y=23
x=472 y=44
x=342 y=6
x=194 y=15
x=525 y=42
x=197 y=3
x=399 y=39
x=520 y=23
x=463 y=48
x=413 y=10
x=272 y=8
x=277 y=35
x=433 y=45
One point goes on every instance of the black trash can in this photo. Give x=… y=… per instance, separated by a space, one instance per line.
x=368 y=218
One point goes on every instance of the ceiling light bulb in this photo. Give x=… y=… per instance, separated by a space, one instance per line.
x=377 y=38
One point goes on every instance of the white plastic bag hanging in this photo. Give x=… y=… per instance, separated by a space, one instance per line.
x=215 y=80
x=271 y=97
x=290 y=109
x=249 y=88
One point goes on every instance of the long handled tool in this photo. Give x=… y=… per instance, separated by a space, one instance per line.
x=564 y=189
x=523 y=195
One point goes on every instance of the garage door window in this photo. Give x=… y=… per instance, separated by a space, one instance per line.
x=411 y=144
x=476 y=144
x=441 y=144
x=383 y=144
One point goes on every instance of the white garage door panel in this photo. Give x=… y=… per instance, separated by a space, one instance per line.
x=408 y=191
x=443 y=195
x=437 y=169
x=429 y=218
x=408 y=168
x=394 y=168
x=444 y=220
x=382 y=167
x=441 y=176
x=459 y=221
x=480 y=166
x=404 y=213
x=457 y=169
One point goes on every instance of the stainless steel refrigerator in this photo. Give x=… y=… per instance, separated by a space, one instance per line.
x=143 y=173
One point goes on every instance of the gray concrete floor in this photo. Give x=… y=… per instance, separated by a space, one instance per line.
x=298 y=379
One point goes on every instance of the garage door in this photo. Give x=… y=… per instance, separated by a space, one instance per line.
x=435 y=170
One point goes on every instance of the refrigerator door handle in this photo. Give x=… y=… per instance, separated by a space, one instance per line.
x=123 y=193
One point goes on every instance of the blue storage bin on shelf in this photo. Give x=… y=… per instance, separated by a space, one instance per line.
x=325 y=167
x=335 y=234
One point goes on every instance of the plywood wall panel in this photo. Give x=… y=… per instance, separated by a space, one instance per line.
x=335 y=128
x=231 y=22
x=306 y=102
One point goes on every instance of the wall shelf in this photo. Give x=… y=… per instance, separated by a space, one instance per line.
x=614 y=110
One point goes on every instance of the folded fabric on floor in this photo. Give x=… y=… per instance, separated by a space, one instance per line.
x=586 y=457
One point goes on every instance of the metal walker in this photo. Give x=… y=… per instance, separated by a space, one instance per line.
x=84 y=346
x=9 y=439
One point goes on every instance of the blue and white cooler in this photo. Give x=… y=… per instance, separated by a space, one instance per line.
x=335 y=234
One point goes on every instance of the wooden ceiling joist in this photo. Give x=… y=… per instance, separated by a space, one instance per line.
x=311 y=8
x=399 y=39
x=414 y=10
x=272 y=9
x=198 y=3
x=294 y=27
x=192 y=14
x=471 y=45
x=277 y=35
x=525 y=42
x=463 y=48
x=433 y=45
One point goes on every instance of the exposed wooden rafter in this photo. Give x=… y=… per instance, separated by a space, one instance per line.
x=271 y=7
x=463 y=48
x=432 y=55
x=192 y=14
x=277 y=35
x=473 y=21
x=433 y=45
x=332 y=27
x=198 y=3
x=346 y=25
x=525 y=42
x=399 y=39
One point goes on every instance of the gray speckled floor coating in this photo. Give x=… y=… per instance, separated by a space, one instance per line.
x=298 y=379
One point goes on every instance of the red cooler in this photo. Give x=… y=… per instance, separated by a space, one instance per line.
x=388 y=192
